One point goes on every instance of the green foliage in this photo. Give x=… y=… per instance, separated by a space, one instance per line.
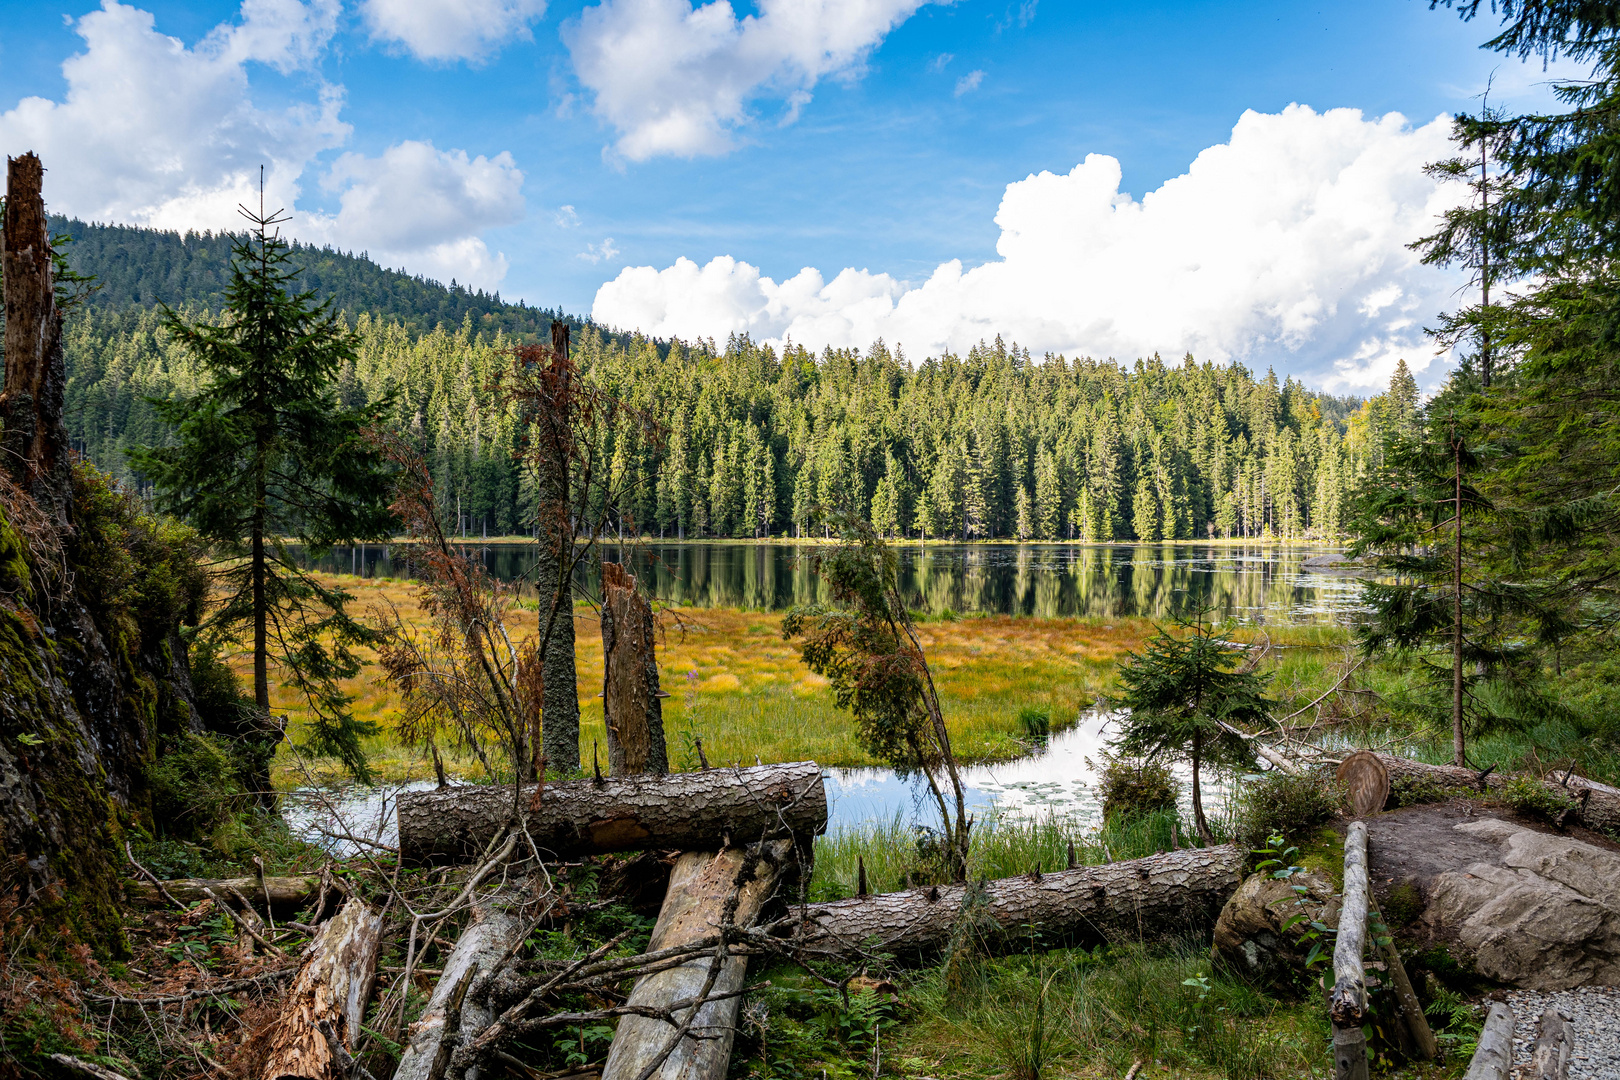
x=1534 y=799
x=265 y=450
x=866 y=647
x=1294 y=807
x=1133 y=786
x=1182 y=699
x=1035 y=723
x=196 y=784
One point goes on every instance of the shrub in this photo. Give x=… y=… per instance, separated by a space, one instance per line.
x=1135 y=786
x=1410 y=791
x=1290 y=806
x=1533 y=799
x=196 y=785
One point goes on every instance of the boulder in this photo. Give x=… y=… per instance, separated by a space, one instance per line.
x=1250 y=939
x=1545 y=917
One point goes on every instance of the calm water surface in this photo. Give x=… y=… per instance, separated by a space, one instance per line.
x=1257 y=584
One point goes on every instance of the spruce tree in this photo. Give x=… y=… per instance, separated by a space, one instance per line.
x=265 y=453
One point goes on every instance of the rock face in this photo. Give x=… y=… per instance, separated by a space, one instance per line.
x=1250 y=938
x=1546 y=917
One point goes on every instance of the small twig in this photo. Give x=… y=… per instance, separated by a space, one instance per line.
x=153 y=878
x=269 y=915
x=192 y=995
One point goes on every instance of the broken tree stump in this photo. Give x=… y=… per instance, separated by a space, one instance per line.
x=631 y=704
x=703 y=895
x=696 y=811
x=331 y=990
x=1160 y=897
x=482 y=946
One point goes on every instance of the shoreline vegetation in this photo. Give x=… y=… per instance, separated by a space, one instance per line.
x=1326 y=545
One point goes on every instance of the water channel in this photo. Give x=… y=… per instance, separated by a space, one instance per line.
x=1253 y=584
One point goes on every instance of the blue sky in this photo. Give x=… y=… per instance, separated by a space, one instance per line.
x=885 y=144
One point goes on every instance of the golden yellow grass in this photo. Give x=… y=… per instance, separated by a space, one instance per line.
x=737 y=685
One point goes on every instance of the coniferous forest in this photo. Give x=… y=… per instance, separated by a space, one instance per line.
x=997 y=444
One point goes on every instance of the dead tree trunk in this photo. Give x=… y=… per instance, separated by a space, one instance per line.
x=693 y=811
x=1596 y=808
x=450 y=1010
x=35 y=439
x=1347 y=1007
x=630 y=695
x=1554 y=1047
x=286 y=893
x=1494 y=1057
x=328 y=997
x=1159 y=897
x=706 y=891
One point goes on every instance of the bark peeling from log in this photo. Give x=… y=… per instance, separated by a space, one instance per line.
x=332 y=987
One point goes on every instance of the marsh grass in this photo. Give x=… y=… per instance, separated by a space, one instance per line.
x=1002 y=846
x=1058 y=1012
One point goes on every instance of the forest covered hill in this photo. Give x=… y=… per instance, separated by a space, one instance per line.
x=136 y=267
x=995 y=444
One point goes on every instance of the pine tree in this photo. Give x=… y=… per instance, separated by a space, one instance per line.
x=265 y=451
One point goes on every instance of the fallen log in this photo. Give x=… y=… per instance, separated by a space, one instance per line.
x=1598 y=808
x=1494 y=1055
x=707 y=891
x=287 y=893
x=330 y=991
x=695 y=811
x=450 y=1014
x=1160 y=897
x=1555 y=1045
x=1347 y=1004
x=1366 y=781
x=1414 y=1035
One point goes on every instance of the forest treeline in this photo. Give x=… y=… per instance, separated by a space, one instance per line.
x=753 y=443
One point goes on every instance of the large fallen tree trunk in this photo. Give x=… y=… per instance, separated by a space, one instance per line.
x=708 y=892
x=1159 y=897
x=1596 y=808
x=693 y=811
x=288 y=893
x=320 y=1019
x=451 y=1015
x=1347 y=1003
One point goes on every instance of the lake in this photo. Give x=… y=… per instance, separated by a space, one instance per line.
x=1256 y=584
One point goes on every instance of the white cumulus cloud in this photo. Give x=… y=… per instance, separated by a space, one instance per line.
x=969 y=82
x=448 y=30
x=678 y=79
x=1284 y=246
x=153 y=132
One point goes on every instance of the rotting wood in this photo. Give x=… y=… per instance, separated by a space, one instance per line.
x=482 y=945
x=1494 y=1057
x=694 y=811
x=1555 y=1045
x=1599 y=809
x=1368 y=783
x=287 y=893
x=630 y=696
x=1347 y=1004
x=332 y=986
x=703 y=896
x=1162 y=896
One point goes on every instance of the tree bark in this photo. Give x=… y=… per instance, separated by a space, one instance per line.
x=450 y=1011
x=1599 y=809
x=1160 y=897
x=35 y=439
x=1494 y=1057
x=332 y=987
x=630 y=698
x=703 y=895
x=689 y=811
x=1347 y=1004
x=1367 y=780
x=1554 y=1047
x=559 y=723
x=287 y=893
